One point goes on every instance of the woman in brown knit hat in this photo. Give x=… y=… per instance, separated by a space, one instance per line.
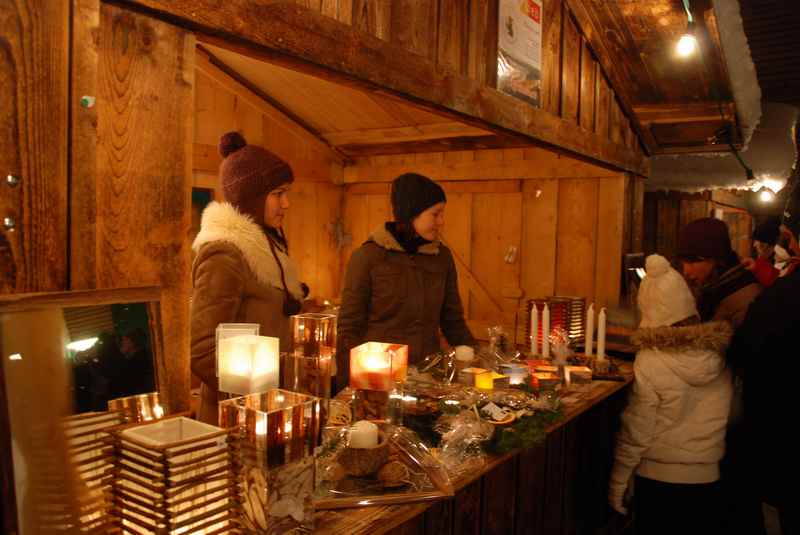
x=242 y=272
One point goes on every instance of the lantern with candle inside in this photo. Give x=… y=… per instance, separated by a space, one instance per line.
x=376 y=370
x=278 y=432
x=183 y=469
x=517 y=373
x=247 y=364
x=228 y=330
x=138 y=408
x=490 y=380
x=308 y=367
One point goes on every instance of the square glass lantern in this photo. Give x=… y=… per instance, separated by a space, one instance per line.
x=226 y=330
x=314 y=335
x=307 y=369
x=378 y=366
x=377 y=373
x=278 y=435
x=184 y=472
x=248 y=363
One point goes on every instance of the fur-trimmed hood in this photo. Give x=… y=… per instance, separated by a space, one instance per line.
x=383 y=238
x=223 y=222
x=694 y=352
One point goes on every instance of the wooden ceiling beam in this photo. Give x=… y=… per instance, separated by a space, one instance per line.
x=674 y=112
x=301 y=39
x=497 y=164
x=422 y=132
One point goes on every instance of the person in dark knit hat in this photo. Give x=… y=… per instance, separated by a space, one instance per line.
x=723 y=286
x=762 y=351
x=401 y=285
x=242 y=272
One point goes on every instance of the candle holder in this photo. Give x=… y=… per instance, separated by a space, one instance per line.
x=517 y=373
x=174 y=476
x=278 y=433
x=376 y=371
x=307 y=369
x=228 y=330
x=138 y=408
x=247 y=363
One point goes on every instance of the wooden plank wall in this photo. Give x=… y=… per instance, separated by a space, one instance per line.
x=461 y=36
x=315 y=199
x=34 y=69
x=569 y=231
x=130 y=189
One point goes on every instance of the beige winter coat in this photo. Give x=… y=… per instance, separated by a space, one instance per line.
x=673 y=429
x=235 y=280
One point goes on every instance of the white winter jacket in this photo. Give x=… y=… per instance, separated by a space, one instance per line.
x=673 y=429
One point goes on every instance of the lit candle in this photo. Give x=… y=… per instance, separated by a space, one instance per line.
x=601 y=335
x=376 y=366
x=546 y=332
x=158 y=411
x=517 y=373
x=534 y=328
x=363 y=434
x=248 y=364
x=589 y=329
x=485 y=381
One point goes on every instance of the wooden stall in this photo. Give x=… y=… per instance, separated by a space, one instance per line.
x=114 y=108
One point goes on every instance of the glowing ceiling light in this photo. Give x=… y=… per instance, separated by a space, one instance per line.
x=686 y=45
x=82 y=345
x=766 y=195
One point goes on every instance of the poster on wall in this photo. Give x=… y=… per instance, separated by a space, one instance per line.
x=519 y=50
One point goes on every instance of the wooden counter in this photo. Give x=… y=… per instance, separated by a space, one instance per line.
x=557 y=487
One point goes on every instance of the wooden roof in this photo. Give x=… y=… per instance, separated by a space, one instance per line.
x=772 y=27
x=352 y=121
x=678 y=103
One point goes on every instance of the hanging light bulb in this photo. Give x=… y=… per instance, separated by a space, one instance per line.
x=686 y=45
x=766 y=195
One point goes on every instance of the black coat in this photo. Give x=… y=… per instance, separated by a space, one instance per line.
x=764 y=353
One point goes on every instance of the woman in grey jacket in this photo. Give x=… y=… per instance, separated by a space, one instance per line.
x=673 y=430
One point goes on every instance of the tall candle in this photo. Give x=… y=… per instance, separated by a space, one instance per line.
x=589 y=329
x=534 y=328
x=546 y=332
x=363 y=434
x=601 y=335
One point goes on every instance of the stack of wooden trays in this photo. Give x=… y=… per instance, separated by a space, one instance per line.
x=75 y=497
x=175 y=475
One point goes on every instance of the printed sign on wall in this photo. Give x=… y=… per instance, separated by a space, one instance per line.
x=519 y=57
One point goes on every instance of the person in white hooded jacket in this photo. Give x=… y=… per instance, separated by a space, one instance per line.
x=673 y=429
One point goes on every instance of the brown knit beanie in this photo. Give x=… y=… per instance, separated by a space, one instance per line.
x=705 y=238
x=249 y=171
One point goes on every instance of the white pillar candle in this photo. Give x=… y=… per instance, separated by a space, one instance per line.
x=589 y=330
x=601 y=335
x=363 y=434
x=546 y=332
x=465 y=353
x=534 y=329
